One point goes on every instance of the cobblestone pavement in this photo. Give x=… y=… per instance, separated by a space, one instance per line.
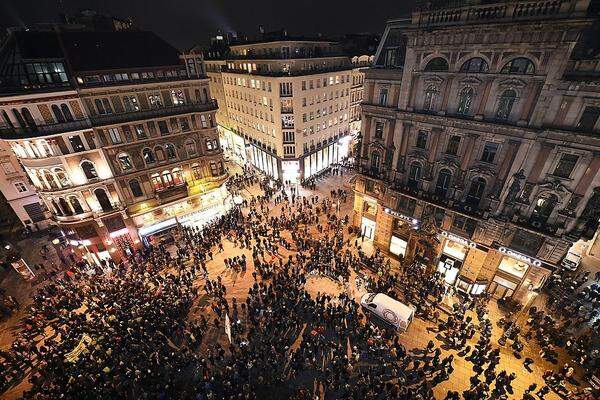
x=417 y=336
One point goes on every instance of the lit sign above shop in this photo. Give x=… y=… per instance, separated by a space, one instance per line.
x=410 y=220
x=458 y=239
x=521 y=257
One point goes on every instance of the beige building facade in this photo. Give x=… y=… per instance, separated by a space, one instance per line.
x=117 y=153
x=479 y=146
x=287 y=105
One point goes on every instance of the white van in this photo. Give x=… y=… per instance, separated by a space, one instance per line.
x=388 y=310
x=571 y=261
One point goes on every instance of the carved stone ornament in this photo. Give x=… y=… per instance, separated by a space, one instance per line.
x=555 y=185
x=433 y=80
x=512 y=83
x=471 y=81
x=515 y=186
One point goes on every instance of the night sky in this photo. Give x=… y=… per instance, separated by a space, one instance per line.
x=187 y=22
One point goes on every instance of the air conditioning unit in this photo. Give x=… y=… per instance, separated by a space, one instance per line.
x=468 y=208
x=536 y=224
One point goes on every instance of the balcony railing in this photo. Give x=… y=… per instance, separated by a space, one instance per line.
x=109 y=119
x=518 y=10
x=172 y=193
x=44 y=130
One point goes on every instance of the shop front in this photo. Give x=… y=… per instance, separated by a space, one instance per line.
x=234 y=145
x=154 y=225
x=291 y=171
x=510 y=273
x=320 y=159
x=264 y=161
x=367 y=228
x=453 y=254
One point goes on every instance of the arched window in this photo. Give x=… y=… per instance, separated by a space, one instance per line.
x=170 y=150
x=438 y=64
x=148 y=156
x=62 y=177
x=375 y=160
x=74 y=201
x=177 y=176
x=520 y=65
x=44 y=148
x=124 y=161
x=465 y=100
x=196 y=171
x=50 y=179
x=135 y=187
x=474 y=65
x=28 y=118
x=89 y=170
x=476 y=191
x=414 y=175
x=190 y=147
x=430 y=97
x=157 y=183
x=205 y=93
x=58 y=115
x=544 y=206
x=167 y=178
x=103 y=199
x=56 y=207
x=160 y=153
x=443 y=182
x=506 y=103
x=66 y=112
x=64 y=206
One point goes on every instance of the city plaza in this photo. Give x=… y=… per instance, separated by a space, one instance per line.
x=416 y=337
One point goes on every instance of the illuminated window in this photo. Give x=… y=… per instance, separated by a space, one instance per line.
x=125 y=162
x=177 y=97
x=89 y=170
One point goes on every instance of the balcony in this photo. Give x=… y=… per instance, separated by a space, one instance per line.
x=109 y=119
x=95 y=84
x=45 y=130
x=483 y=14
x=172 y=193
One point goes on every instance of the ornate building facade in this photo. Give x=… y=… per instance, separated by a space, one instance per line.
x=116 y=131
x=480 y=130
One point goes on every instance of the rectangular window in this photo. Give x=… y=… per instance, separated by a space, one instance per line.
x=464 y=224
x=125 y=162
x=185 y=125
x=76 y=143
x=8 y=168
x=20 y=186
x=303 y=85
x=589 y=118
x=378 y=130
x=453 y=144
x=163 y=127
x=422 y=140
x=407 y=205
x=383 y=95
x=565 y=166
x=489 y=152
x=115 y=135
x=139 y=132
x=177 y=97
x=154 y=100
x=130 y=103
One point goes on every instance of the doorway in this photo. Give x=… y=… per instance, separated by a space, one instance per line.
x=368 y=228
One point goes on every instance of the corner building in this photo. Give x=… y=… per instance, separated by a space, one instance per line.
x=116 y=131
x=480 y=136
x=287 y=103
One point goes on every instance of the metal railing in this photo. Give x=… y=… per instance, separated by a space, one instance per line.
x=44 y=130
x=108 y=119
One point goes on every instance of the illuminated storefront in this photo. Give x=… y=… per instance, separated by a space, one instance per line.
x=234 y=144
x=264 y=161
x=291 y=171
x=510 y=272
x=398 y=246
x=193 y=211
x=320 y=159
x=452 y=257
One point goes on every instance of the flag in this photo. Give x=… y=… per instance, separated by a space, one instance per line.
x=228 y=327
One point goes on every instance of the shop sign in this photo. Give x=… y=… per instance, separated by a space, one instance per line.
x=519 y=256
x=410 y=220
x=458 y=239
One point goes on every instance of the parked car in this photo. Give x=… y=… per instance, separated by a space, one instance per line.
x=571 y=261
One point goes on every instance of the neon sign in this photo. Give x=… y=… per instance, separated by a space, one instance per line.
x=521 y=257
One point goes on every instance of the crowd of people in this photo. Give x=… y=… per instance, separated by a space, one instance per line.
x=164 y=323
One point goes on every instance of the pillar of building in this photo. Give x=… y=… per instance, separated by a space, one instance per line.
x=510 y=153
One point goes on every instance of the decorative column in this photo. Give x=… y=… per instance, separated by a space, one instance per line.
x=583 y=184
x=406 y=128
x=465 y=160
x=536 y=171
x=435 y=140
x=510 y=153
